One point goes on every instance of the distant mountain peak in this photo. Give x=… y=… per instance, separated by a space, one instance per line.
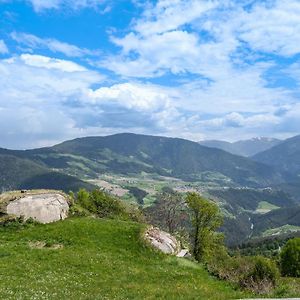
x=248 y=147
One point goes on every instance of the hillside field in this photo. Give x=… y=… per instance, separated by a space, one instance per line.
x=87 y=258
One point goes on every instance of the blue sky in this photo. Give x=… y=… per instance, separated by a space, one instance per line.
x=197 y=69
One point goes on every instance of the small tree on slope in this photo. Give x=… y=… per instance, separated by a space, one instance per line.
x=206 y=219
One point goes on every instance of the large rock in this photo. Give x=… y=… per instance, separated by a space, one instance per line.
x=162 y=240
x=44 y=208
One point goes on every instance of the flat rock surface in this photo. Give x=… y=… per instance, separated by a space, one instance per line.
x=44 y=208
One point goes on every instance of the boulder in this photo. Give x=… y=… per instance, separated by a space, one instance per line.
x=44 y=208
x=162 y=241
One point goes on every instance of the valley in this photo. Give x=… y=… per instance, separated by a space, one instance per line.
x=137 y=168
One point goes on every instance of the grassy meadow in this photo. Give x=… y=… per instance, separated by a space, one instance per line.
x=88 y=258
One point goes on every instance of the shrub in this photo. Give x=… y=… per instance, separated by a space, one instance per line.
x=263 y=277
x=229 y=268
x=11 y=221
x=290 y=258
x=104 y=205
x=257 y=274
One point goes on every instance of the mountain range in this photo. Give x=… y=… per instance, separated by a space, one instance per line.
x=244 y=147
x=132 y=154
x=242 y=183
x=284 y=156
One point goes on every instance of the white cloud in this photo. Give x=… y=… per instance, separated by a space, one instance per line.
x=175 y=51
x=236 y=120
x=44 y=100
x=40 y=5
x=274 y=29
x=33 y=90
x=132 y=96
x=169 y=15
x=231 y=93
x=209 y=49
x=216 y=33
x=53 y=45
x=51 y=63
x=3 y=47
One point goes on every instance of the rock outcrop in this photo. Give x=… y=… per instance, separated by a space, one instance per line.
x=44 y=208
x=162 y=241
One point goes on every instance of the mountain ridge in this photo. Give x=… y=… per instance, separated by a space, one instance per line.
x=127 y=153
x=246 y=148
x=284 y=157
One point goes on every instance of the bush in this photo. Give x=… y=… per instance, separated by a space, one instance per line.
x=229 y=268
x=104 y=205
x=11 y=221
x=257 y=274
x=263 y=277
x=290 y=258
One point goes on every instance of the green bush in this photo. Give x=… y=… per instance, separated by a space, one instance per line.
x=103 y=205
x=263 y=277
x=229 y=268
x=257 y=274
x=11 y=221
x=290 y=258
x=265 y=268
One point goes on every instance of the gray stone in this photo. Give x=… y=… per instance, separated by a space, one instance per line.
x=162 y=241
x=44 y=208
x=183 y=253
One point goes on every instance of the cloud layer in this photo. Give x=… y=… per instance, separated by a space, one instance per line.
x=188 y=68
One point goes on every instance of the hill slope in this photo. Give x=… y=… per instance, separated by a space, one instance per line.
x=133 y=154
x=285 y=156
x=249 y=199
x=19 y=173
x=244 y=147
x=276 y=219
x=88 y=258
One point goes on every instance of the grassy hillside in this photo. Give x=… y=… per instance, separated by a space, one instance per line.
x=276 y=218
x=250 y=199
x=260 y=207
x=133 y=154
x=86 y=258
x=19 y=173
x=285 y=156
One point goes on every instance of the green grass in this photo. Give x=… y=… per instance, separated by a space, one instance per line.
x=265 y=207
x=99 y=259
x=281 y=230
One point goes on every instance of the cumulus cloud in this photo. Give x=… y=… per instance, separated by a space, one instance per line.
x=195 y=36
x=34 y=42
x=44 y=100
x=132 y=96
x=218 y=53
x=51 y=63
x=224 y=43
x=32 y=92
x=272 y=28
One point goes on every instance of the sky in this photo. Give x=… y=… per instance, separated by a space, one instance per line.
x=195 y=69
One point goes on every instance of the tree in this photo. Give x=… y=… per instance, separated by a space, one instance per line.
x=168 y=211
x=290 y=258
x=206 y=219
